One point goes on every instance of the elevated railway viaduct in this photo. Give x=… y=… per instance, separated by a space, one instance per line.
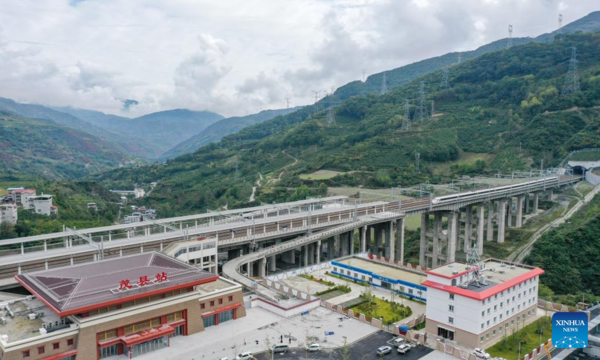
x=380 y=226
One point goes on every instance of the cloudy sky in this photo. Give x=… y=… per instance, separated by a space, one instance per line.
x=236 y=57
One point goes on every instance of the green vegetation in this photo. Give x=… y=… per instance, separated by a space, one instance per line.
x=344 y=289
x=34 y=148
x=530 y=336
x=71 y=198
x=569 y=254
x=391 y=312
x=346 y=279
x=320 y=281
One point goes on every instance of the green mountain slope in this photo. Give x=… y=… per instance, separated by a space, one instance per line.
x=402 y=75
x=154 y=133
x=504 y=104
x=35 y=148
x=221 y=128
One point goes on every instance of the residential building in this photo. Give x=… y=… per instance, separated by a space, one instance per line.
x=41 y=204
x=120 y=308
x=8 y=213
x=20 y=196
x=479 y=313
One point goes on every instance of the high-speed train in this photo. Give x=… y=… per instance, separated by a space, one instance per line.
x=503 y=189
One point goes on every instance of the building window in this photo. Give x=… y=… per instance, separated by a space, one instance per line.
x=482 y=339
x=494 y=319
x=70 y=342
x=230 y=298
x=202 y=306
x=220 y=301
x=451 y=296
x=483 y=313
x=41 y=350
x=482 y=325
x=489 y=311
x=494 y=333
x=56 y=346
x=487 y=336
x=212 y=303
x=451 y=320
x=25 y=354
x=451 y=308
x=488 y=323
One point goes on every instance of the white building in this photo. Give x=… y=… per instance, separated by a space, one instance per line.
x=139 y=193
x=20 y=196
x=201 y=252
x=8 y=213
x=41 y=204
x=478 y=315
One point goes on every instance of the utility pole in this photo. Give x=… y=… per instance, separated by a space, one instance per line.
x=287 y=102
x=406 y=120
x=330 y=112
x=422 y=110
x=444 y=83
x=509 y=42
x=559 y=30
x=384 y=85
x=572 y=79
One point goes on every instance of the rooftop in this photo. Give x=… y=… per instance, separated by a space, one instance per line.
x=384 y=270
x=80 y=288
x=16 y=323
x=499 y=275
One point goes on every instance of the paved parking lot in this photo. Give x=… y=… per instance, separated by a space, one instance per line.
x=363 y=349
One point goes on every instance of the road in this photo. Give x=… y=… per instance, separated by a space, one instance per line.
x=361 y=350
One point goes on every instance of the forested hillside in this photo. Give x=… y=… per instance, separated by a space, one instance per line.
x=33 y=149
x=505 y=105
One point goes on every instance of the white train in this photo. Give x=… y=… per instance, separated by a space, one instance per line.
x=504 y=189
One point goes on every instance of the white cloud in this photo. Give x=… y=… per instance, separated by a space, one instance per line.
x=237 y=56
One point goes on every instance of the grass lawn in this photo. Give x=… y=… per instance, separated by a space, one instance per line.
x=320 y=175
x=530 y=336
x=383 y=309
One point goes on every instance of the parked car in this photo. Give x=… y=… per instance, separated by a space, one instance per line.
x=384 y=350
x=399 y=341
x=313 y=347
x=481 y=354
x=280 y=349
x=245 y=356
x=404 y=348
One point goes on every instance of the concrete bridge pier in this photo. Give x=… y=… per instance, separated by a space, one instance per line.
x=363 y=231
x=331 y=248
x=378 y=239
x=437 y=241
x=390 y=251
x=305 y=255
x=400 y=241
x=289 y=257
x=527 y=200
x=311 y=254
x=344 y=244
x=273 y=263
x=536 y=201
x=423 y=243
x=318 y=252
x=262 y=268
x=501 y=219
x=453 y=227
x=519 y=212
x=490 y=222
x=351 y=241
x=509 y=203
x=480 y=227
x=468 y=228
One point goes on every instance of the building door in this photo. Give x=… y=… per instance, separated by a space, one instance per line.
x=445 y=333
x=386 y=285
x=209 y=321
x=225 y=316
x=178 y=331
x=109 y=351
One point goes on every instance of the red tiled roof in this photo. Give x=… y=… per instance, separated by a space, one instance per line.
x=75 y=289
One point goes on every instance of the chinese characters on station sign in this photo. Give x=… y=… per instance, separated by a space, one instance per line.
x=143 y=281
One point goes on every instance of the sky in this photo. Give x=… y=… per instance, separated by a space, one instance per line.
x=237 y=57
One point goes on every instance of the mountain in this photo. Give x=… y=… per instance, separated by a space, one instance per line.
x=402 y=75
x=152 y=134
x=36 y=148
x=502 y=112
x=221 y=128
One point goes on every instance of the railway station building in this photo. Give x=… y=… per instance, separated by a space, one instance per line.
x=120 y=308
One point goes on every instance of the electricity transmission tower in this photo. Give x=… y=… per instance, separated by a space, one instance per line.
x=422 y=109
x=406 y=120
x=444 y=84
x=384 y=85
x=559 y=23
x=509 y=41
x=287 y=103
x=572 y=79
x=330 y=111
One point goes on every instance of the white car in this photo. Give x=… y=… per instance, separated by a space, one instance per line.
x=404 y=348
x=399 y=341
x=384 y=350
x=245 y=356
x=481 y=354
x=313 y=347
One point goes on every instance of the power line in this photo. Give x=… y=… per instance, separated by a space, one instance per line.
x=572 y=79
x=509 y=42
x=384 y=88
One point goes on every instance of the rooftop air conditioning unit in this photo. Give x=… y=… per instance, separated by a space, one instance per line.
x=454 y=272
